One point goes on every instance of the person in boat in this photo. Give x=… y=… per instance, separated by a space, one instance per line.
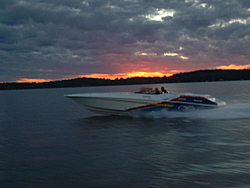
x=163 y=90
x=157 y=91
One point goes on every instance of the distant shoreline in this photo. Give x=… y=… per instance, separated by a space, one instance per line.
x=194 y=76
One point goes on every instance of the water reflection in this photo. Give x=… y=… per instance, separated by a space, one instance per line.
x=128 y=121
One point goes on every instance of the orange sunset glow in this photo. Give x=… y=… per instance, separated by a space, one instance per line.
x=233 y=66
x=146 y=74
x=32 y=80
x=126 y=75
x=105 y=76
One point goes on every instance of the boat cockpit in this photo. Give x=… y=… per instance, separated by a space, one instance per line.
x=145 y=90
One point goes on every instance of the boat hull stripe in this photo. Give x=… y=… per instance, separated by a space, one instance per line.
x=129 y=101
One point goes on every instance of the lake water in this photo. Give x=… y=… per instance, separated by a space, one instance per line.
x=49 y=141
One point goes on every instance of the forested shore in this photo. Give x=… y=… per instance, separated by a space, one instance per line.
x=195 y=76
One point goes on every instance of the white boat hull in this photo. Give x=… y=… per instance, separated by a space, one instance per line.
x=125 y=103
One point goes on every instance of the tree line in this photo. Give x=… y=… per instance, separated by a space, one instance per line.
x=194 y=76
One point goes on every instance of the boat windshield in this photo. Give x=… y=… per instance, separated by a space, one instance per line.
x=145 y=91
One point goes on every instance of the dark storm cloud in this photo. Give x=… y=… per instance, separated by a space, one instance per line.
x=56 y=39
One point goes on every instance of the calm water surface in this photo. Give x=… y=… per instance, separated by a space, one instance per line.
x=49 y=141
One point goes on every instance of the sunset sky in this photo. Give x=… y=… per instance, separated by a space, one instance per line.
x=43 y=40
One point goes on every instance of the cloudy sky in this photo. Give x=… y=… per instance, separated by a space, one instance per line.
x=59 y=39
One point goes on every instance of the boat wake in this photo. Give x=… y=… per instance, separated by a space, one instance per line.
x=231 y=111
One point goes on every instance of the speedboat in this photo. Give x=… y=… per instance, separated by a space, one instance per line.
x=144 y=100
